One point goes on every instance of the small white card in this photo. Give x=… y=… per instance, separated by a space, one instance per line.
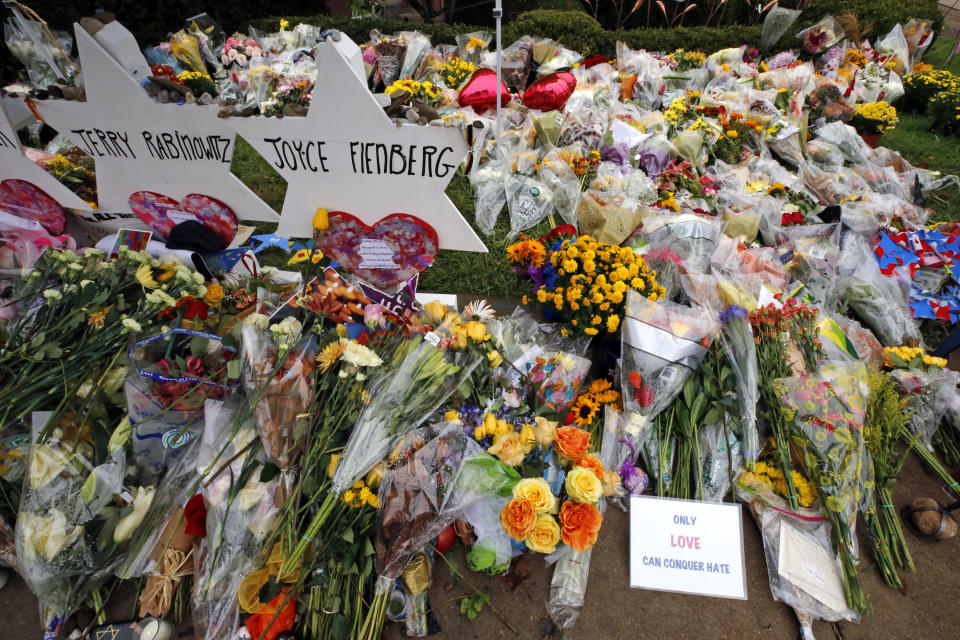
x=811 y=567
x=376 y=254
x=180 y=217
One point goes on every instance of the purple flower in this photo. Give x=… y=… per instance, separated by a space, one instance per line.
x=653 y=160
x=731 y=312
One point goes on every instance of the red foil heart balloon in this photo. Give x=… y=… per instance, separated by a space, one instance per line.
x=480 y=92
x=550 y=92
x=393 y=250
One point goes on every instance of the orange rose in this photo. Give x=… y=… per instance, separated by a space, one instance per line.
x=572 y=442
x=592 y=462
x=579 y=524
x=518 y=518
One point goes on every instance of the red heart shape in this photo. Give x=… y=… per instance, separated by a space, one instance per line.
x=550 y=92
x=154 y=209
x=392 y=251
x=28 y=201
x=480 y=92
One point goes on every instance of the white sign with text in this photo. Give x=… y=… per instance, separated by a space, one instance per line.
x=687 y=546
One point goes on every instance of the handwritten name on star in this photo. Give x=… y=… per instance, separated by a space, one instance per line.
x=158 y=145
x=362 y=158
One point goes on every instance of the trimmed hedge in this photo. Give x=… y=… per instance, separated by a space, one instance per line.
x=884 y=14
x=573 y=29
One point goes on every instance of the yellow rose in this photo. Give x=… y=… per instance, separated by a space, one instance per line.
x=507 y=447
x=451 y=416
x=435 y=310
x=537 y=491
x=495 y=358
x=544 y=536
x=583 y=485
x=527 y=436
x=477 y=331
x=544 y=431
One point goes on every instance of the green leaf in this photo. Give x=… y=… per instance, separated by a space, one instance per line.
x=340 y=627
x=712 y=416
x=348 y=535
x=233 y=369
x=270 y=590
x=688 y=391
x=269 y=472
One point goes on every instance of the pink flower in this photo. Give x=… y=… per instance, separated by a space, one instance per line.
x=373 y=316
x=195 y=366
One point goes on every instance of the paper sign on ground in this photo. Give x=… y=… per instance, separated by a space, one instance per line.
x=811 y=567
x=447 y=299
x=687 y=546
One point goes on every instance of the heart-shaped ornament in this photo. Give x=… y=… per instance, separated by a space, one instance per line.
x=550 y=92
x=480 y=92
x=162 y=213
x=392 y=251
x=28 y=201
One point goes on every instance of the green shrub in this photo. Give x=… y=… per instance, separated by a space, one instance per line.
x=884 y=14
x=945 y=109
x=707 y=39
x=573 y=29
x=918 y=88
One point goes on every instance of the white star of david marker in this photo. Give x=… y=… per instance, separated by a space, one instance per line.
x=15 y=165
x=139 y=144
x=347 y=155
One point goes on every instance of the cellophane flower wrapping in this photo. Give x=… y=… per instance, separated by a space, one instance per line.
x=772 y=515
x=568 y=586
x=775 y=24
x=688 y=235
x=44 y=61
x=404 y=395
x=170 y=376
x=878 y=301
x=489 y=194
x=278 y=380
x=241 y=511
x=69 y=531
x=829 y=409
x=431 y=482
x=736 y=338
x=929 y=396
x=663 y=343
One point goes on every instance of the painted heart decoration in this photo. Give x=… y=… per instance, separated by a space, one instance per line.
x=550 y=92
x=393 y=250
x=162 y=213
x=28 y=201
x=480 y=92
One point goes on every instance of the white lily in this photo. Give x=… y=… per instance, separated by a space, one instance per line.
x=142 y=500
x=46 y=535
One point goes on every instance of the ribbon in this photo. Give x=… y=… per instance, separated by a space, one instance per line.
x=170 y=570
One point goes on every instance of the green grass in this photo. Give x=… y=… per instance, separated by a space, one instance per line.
x=938 y=52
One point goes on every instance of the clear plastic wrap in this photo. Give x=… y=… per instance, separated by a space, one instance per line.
x=470 y=46
x=929 y=395
x=736 y=338
x=778 y=524
x=893 y=48
x=775 y=24
x=278 y=378
x=390 y=51
x=821 y=36
x=877 y=300
x=400 y=399
x=641 y=77
x=47 y=63
x=171 y=375
x=809 y=253
x=528 y=200
x=559 y=176
x=663 y=343
x=489 y=195
x=417 y=45
x=688 y=235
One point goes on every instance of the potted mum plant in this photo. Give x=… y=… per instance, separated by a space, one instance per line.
x=872 y=120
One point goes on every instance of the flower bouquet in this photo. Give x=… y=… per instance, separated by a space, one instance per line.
x=238 y=51
x=828 y=409
x=663 y=343
x=171 y=376
x=278 y=375
x=736 y=337
x=588 y=281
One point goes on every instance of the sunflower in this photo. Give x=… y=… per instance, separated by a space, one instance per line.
x=330 y=354
x=600 y=384
x=585 y=409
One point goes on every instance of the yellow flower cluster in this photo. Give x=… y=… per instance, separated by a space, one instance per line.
x=677 y=110
x=360 y=495
x=60 y=164
x=767 y=476
x=455 y=72
x=881 y=113
x=425 y=90
x=191 y=75
x=586 y=406
x=592 y=282
x=910 y=358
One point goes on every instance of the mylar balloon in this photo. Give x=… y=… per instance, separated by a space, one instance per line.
x=480 y=92
x=550 y=92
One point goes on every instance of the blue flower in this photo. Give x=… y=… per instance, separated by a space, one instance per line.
x=731 y=312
